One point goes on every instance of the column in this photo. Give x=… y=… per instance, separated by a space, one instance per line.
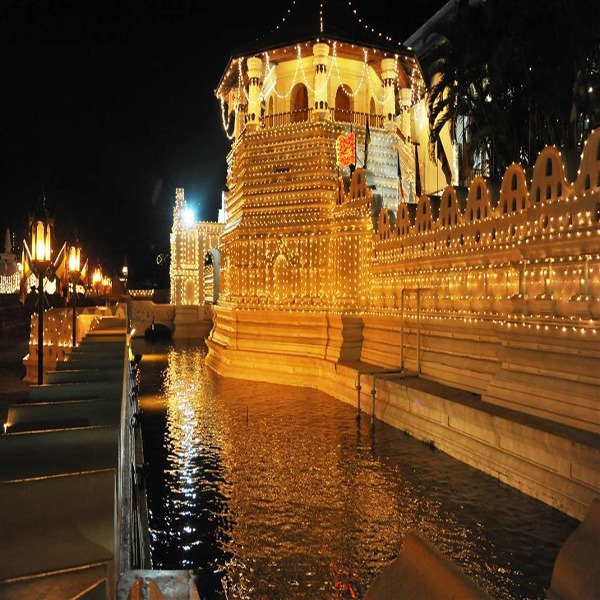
x=388 y=76
x=405 y=95
x=321 y=95
x=255 y=68
x=240 y=113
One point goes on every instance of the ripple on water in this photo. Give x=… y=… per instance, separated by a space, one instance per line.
x=270 y=491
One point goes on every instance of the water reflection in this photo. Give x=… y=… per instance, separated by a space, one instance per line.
x=271 y=491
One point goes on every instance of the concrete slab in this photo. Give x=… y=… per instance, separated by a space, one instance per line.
x=56 y=523
x=27 y=455
x=79 y=375
x=73 y=583
x=57 y=414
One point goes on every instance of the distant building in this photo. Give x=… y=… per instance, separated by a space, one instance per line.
x=10 y=268
x=194 y=244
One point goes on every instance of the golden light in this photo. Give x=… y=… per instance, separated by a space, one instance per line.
x=41 y=229
x=97 y=277
x=74 y=259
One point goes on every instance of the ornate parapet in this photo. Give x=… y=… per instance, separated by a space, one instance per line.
x=536 y=252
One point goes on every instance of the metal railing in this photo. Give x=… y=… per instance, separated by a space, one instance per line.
x=338 y=115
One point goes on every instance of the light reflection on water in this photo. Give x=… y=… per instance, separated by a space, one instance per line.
x=270 y=491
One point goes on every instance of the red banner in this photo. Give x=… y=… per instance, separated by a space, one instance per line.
x=345 y=150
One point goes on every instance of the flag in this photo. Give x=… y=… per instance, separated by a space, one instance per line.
x=61 y=267
x=400 y=188
x=441 y=154
x=367 y=141
x=26 y=272
x=417 y=171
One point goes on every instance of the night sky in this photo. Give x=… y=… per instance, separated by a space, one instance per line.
x=108 y=105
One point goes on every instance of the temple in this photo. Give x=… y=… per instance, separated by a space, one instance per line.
x=347 y=252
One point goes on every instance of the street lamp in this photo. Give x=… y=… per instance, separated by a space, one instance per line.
x=74 y=265
x=107 y=288
x=124 y=273
x=97 y=280
x=40 y=230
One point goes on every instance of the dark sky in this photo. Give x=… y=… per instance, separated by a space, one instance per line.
x=107 y=106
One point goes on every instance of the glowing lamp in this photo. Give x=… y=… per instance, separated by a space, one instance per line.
x=74 y=267
x=74 y=261
x=40 y=230
x=189 y=218
x=97 y=277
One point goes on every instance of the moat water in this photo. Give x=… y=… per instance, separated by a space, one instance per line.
x=273 y=492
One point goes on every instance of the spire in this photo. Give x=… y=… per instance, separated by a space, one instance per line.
x=7 y=242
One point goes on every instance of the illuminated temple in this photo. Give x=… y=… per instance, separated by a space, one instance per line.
x=470 y=315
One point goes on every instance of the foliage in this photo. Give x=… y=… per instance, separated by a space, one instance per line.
x=524 y=75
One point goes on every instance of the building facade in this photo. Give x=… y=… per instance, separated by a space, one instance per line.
x=331 y=273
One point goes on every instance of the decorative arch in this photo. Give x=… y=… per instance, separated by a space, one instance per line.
x=548 y=182
x=343 y=104
x=403 y=221
x=372 y=113
x=385 y=224
x=424 y=216
x=449 y=212
x=478 y=201
x=189 y=292
x=299 y=103
x=514 y=195
x=589 y=167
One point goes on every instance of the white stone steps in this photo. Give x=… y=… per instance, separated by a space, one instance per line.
x=27 y=455
x=51 y=415
x=56 y=523
x=105 y=390
x=75 y=375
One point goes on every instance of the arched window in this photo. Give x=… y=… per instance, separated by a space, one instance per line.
x=343 y=108
x=372 y=113
x=299 y=104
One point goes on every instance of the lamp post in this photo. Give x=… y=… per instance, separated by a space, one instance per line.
x=74 y=265
x=106 y=288
x=40 y=231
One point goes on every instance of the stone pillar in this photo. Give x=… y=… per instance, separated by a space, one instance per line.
x=255 y=68
x=321 y=96
x=405 y=95
x=388 y=76
x=240 y=114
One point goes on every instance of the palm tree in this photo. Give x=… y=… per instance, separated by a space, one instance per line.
x=516 y=77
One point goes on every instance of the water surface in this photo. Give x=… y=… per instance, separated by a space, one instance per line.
x=273 y=492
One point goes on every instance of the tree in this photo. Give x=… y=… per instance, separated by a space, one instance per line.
x=519 y=75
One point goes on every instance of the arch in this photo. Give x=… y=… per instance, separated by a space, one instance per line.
x=189 y=292
x=423 y=219
x=478 y=200
x=548 y=178
x=589 y=166
x=212 y=275
x=372 y=113
x=448 y=207
x=343 y=104
x=513 y=190
x=299 y=103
